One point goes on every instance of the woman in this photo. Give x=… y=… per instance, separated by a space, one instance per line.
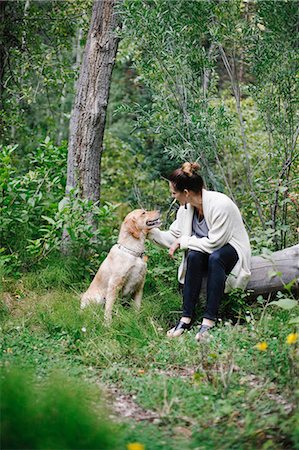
x=210 y=232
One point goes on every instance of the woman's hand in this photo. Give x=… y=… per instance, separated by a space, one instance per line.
x=174 y=248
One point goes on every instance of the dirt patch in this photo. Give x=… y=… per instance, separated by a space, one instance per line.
x=17 y=304
x=178 y=372
x=256 y=382
x=8 y=300
x=123 y=406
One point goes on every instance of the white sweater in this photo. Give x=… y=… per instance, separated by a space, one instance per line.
x=225 y=225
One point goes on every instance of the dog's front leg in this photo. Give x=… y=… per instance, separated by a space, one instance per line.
x=113 y=289
x=138 y=294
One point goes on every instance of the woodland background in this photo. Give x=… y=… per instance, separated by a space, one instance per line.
x=212 y=81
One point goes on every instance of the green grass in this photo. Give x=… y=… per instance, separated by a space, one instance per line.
x=57 y=414
x=224 y=394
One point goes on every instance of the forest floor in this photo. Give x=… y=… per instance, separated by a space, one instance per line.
x=239 y=390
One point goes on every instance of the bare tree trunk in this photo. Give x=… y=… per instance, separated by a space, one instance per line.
x=3 y=51
x=89 y=112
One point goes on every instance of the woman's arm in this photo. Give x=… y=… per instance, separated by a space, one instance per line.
x=224 y=218
x=167 y=238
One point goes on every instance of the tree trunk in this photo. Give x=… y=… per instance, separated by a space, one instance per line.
x=89 y=111
x=271 y=273
x=3 y=50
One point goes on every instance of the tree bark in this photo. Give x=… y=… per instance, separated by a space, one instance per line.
x=271 y=273
x=3 y=50
x=89 y=111
x=285 y=263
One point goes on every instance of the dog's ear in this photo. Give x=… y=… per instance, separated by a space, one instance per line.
x=132 y=227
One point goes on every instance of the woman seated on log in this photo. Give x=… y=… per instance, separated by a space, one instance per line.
x=210 y=232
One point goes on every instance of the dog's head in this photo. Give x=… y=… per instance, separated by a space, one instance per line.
x=141 y=221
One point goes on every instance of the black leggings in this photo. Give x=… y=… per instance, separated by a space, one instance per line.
x=216 y=266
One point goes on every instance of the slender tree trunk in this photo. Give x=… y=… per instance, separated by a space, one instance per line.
x=62 y=118
x=89 y=112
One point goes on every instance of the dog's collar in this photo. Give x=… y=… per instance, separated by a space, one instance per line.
x=128 y=250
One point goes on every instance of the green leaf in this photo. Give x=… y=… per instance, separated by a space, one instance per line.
x=289 y=285
x=272 y=274
x=294 y=320
x=285 y=303
x=49 y=219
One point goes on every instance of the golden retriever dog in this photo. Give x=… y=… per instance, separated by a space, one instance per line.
x=123 y=270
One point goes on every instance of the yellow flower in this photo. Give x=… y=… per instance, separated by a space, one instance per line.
x=292 y=338
x=262 y=346
x=135 y=446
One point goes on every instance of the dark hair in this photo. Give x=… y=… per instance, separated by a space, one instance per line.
x=186 y=177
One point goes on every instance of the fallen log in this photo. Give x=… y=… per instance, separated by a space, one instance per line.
x=270 y=272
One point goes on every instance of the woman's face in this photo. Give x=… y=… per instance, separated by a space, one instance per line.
x=179 y=196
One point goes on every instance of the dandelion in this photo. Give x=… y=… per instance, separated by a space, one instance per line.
x=262 y=346
x=135 y=446
x=83 y=329
x=292 y=338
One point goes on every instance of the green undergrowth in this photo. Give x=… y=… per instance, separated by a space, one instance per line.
x=221 y=394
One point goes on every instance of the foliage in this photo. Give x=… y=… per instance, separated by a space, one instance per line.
x=172 y=67
x=172 y=97
x=33 y=212
x=272 y=53
x=39 y=67
x=223 y=84
x=127 y=179
x=58 y=414
x=28 y=194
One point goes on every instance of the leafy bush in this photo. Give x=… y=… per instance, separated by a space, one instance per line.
x=33 y=212
x=28 y=194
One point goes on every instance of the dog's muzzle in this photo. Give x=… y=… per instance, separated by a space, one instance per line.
x=153 y=223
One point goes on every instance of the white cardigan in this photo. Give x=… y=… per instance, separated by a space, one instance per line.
x=225 y=226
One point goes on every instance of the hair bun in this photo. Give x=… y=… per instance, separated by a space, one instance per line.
x=190 y=169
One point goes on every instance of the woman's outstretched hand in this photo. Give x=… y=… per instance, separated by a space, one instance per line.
x=173 y=248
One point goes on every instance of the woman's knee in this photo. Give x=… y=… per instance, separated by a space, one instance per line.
x=196 y=258
x=215 y=259
x=225 y=257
